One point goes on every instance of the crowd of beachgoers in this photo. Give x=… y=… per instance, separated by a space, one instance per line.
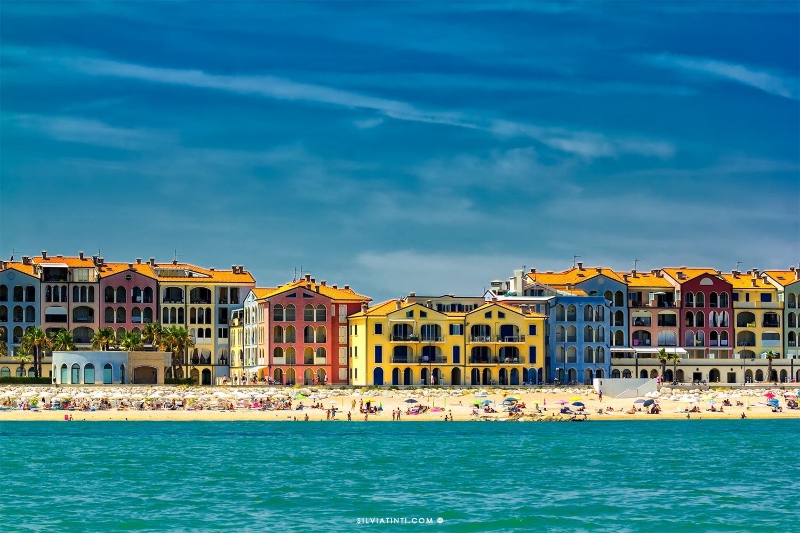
x=132 y=402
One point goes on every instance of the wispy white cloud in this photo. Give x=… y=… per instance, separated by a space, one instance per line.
x=770 y=82
x=368 y=123
x=94 y=132
x=584 y=144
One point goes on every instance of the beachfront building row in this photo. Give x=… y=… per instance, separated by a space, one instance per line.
x=725 y=327
x=83 y=294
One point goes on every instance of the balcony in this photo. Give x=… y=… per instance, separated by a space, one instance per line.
x=427 y=360
x=173 y=301
x=204 y=301
x=432 y=338
x=771 y=323
x=792 y=343
x=480 y=338
x=644 y=322
x=410 y=337
x=404 y=359
x=484 y=360
x=746 y=343
x=511 y=338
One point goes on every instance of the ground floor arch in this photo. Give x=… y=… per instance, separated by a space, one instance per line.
x=408 y=377
x=455 y=376
x=145 y=375
x=714 y=375
x=308 y=377
x=291 y=376
x=205 y=376
x=377 y=376
x=514 y=377
x=277 y=375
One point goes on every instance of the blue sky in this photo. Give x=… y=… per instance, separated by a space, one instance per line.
x=403 y=146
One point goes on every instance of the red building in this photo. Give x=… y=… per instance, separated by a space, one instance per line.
x=706 y=325
x=128 y=296
x=301 y=330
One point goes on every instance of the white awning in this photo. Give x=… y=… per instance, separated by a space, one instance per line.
x=656 y=350
x=55 y=311
x=55 y=265
x=612 y=350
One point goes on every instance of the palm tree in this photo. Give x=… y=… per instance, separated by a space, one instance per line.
x=176 y=339
x=3 y=348
x=770 y=355
x=675 y=359
x=663 y=356
x=103 y=339
x=37 y=342
x=25 y=356
x=63 y=341
x=130 y=342
x=152 y=333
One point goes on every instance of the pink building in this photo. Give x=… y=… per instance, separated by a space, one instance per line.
x=128 y=296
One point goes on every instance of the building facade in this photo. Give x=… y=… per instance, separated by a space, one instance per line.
x=19 y=310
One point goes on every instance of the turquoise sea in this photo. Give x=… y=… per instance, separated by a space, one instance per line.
x=737 y=475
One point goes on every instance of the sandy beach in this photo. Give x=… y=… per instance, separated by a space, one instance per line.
x=246 y=403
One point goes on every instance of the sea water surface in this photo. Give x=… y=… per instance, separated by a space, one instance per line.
x=736 y=475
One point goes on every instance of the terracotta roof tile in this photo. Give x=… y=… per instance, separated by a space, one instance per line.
x=338 y=293
x=689 y=273
x=109 y=269
x=782 y=277
x=646 y=280
x=745 y=281
x=19 y=267
x=206 y=275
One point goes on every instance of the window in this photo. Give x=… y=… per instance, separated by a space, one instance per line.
x=487 y=314
x=456 y=329
x=456 y=355
x=378 y=329
x=766 y=297
x=501 y=314
x=410 y=314
x=532 y=355
x=735 y=296
x=222 y=333
x=379 y=354
x=423 y=314
x=531 y=329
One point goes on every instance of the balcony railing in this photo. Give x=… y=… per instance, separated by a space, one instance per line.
x=199 y=301
x=492 y=360
x=432 y=338
x=746 y=343
x=428 y=360
x=643 y=322
x=405 y=359
x=792 y=343
x=771 y=324
x=173 y=300
x=511 y=338
x=404 y=338
x=480 y=338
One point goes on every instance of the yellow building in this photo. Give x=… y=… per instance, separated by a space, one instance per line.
x=236 y=344
x=757 y=317
x=402 y=342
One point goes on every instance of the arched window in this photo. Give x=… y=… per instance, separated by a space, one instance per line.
x=619 y=299
x=688 y=299
x=322 y=355
x=291 y=356
x=322 y=314
x=572 y=355
x=84 y=297
x=308 y=356
x=712 y=299
x=291 y=335
x=588 y=355
x=277 y=313
x=308 y=313
x=308 y=334
x=136 y=315
x=148 y=295
x=689 y=319
x=699 y=300
x=148 y=315
x=107 y=374
x=277 y=334
x=290 y=313
x=560 y=313
x=600 y=313
x=699 y=320
x=88 y=374
x=560 y=354
x=91 y=294
x=121 y=315
x=277 y=353
x=76 y=291
x=120 y=296
x=588 y=313
x=4 y=293
x=76 y=374
x=572 y=313
x=108 y=315
x=321 y=334
x=600 y=358
x=30 y=314
x=193 y=315
x=572 y=334
x=180 y=316
x=208 y=316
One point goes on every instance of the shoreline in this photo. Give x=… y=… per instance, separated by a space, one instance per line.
x=228 y=404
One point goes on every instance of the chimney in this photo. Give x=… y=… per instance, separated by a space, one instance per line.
x=755 y=273
x=2 y=264
x=44 y=254
x=580 y=265
x=412 y=294
x=313 y=280
x=174 y=261
x=364 y=307
x=323 y=283
x=308 y=277
x=429 y=304
x=316 y=288
x=130 y=266
x=233 y=269
x=211 y=269
x=598 y=270
x=26 y=260
x=80 y=254
x=753 y=282
x=533 y=271
x=335 y=286
x=152 y=261
x=680 y=275
x=735 y=273
x=633 y=272
x=625 y=278
x=347 y=287
x=241 y=269
x=494 y=298
x=100 y=260
x=397 y=304
x=569 y=286
x=138 y=260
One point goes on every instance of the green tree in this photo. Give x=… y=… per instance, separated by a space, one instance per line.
x=130 y=342
x=63 y=341
x=25 y=356
x=675 y=359
x=152 y=334
x=770 y=355
x=662 y=357
x=175 y=339
x=35 y=341
x=3 y=348
x=103 y=339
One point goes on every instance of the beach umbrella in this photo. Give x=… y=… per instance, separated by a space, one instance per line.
x=410 y=400
x=639 y=401
x=648 y=403
x=512 y=399
x=300 y=397
x=562 y=402
x=487 y=402
x=575 y=399
x=577 y=404
x=476 y=402
x=790 y=395
x=480 y=395
x=770 y=395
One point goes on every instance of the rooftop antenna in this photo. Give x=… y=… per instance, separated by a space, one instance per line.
x=12 y=254
x=635 y=262
x=737 y=265
x=295 y=275
x=575 y=260
x=175 y=255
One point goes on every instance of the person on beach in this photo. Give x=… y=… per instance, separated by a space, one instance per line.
x=601 y=396
x=349 y=417
x=306 y=417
